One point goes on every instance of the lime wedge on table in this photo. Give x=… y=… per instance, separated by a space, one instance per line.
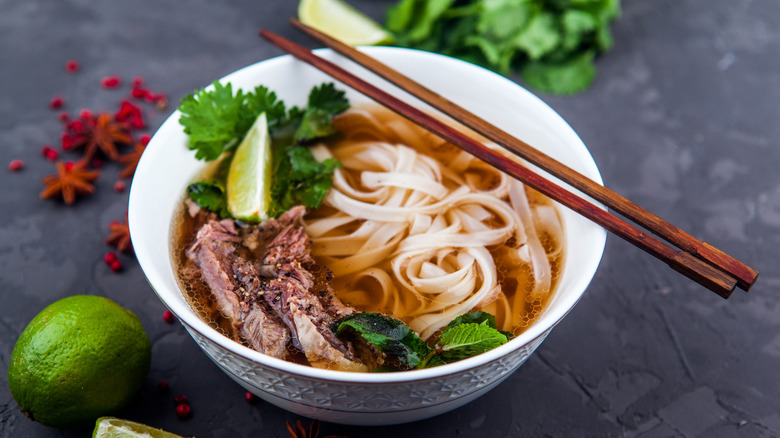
x=343 y=22
x=109 y=427
x=249 y=177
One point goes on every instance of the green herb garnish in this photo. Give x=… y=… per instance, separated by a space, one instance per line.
x=217 y=119
x=465 y=336
x=210 y=195
x=404 y=350
x=462 y=341
x=325 y=102
x=551 y=43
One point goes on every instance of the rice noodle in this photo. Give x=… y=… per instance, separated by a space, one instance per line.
x=413 y=235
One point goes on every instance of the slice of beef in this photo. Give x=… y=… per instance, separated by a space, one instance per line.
x=215 y=251
x=290 y=294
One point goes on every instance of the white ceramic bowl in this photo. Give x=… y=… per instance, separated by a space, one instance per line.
x=167 y=167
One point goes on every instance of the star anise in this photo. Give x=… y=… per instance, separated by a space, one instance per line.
x=120 y=236
x=72 y=179
x=130 y=160
x=300 y=432
x=101 y=133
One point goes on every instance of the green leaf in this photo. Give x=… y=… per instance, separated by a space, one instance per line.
x=262 y=100
x=540 y=37
x=210 y=195
x=545 y=40
x=299 y=179
x=400 y=15
x=576 y=26
x=325 y=102
x=567 y=77
x=463 y=341
x=475 y=317
x=216 y=120
x=502 y=19
x=402 y=348
x=414 y=21
x=210 y=118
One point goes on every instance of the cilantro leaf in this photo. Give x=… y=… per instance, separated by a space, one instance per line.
x=565 y=77
x=216 y=119
x=546 y=41
x=299 y=179
x=325 y=102
x=210 y=195
x=209 y=118
x=401 y=347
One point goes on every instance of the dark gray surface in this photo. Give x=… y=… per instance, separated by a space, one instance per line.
x=683 y=118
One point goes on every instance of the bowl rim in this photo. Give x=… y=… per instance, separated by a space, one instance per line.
x=535 y=331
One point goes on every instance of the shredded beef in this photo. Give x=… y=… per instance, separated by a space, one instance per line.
x=260 y=279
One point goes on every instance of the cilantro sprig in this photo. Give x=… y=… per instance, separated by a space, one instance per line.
x=551 y=43
x=216 y=119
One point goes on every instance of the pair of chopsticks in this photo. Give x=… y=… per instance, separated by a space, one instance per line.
x=699 y=261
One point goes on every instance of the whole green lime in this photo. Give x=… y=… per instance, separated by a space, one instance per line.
x=81 y=358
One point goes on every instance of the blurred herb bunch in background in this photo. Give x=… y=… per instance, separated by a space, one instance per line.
x=550 y=43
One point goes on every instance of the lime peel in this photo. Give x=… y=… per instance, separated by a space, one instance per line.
x=343 y=22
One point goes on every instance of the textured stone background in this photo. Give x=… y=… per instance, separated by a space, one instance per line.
x=683 y=118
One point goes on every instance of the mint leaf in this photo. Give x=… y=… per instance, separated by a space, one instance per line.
x=401 y=346
x=475 y=317
x=463 y=341
x=210 y=195
x=325 y=102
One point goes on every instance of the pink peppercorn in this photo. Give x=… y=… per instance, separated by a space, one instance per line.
x=64 y=116
x=16 y=165
x=72 y=66
x=116 y=266
x=119 y=187
x=111 y=81
x=180 y=399
x=109 y=258
x=56 y=102
x=183 y=411
x=249 y=397
x=169 y=318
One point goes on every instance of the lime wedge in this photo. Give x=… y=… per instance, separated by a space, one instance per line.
x=109 y=427
x=343 y=22
x=249 y=177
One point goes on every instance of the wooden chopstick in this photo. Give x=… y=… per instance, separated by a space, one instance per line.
x=745 y=275
x=681 y=261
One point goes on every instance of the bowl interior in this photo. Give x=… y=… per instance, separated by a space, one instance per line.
x=167 y=167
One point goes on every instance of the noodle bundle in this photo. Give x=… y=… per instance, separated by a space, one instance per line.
x=421 y=230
